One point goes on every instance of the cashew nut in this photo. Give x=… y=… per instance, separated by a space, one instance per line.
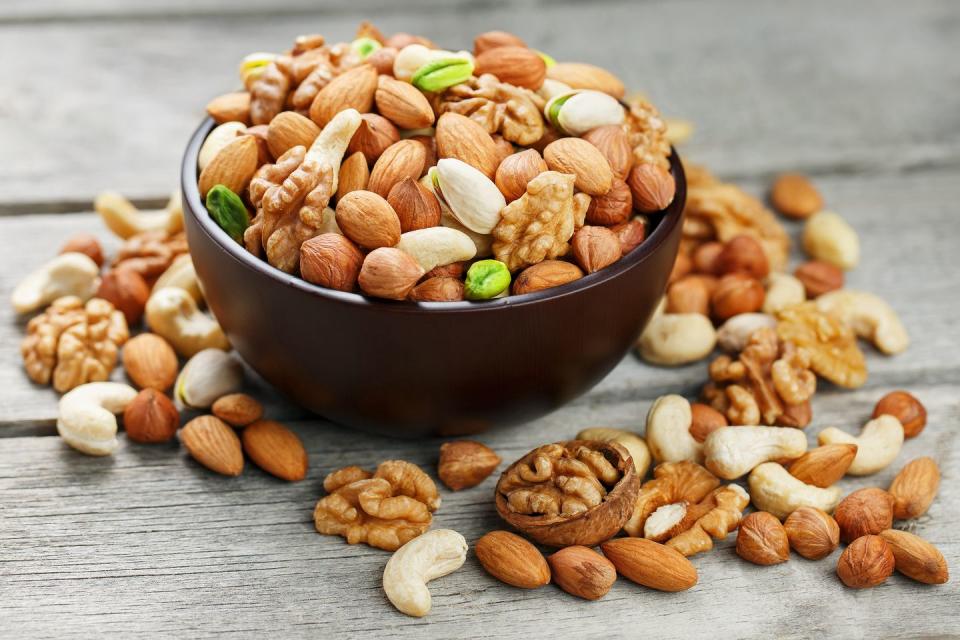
x=733 y=335
x=431 y=555
x=126 y=220
x=86 y=419
x=437 y=246
x=828 y=237
x=668 y=431
x=869 y=316
x=182 y=275
x=207 y=377
x=220 y=137
x=783 y=290
x=633 y=443
x=877 y=445
x=173 y=315
x=676 y=338
x=773 y=489
x=69 y=274
x=730 y=452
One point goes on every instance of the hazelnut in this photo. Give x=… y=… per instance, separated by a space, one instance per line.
x=582 y=572
x=762 y=540
x=736 y=293
x=613 y=143
x=819 y=277
x=812 y=533
x=863 y=512
x=452 y=270
x=614 y=207
x=705 y=258
x=595 y=248
x=438 y=289
x=867 y=562
x=794 y=196
x=653 y=187
x=151 y=417
x=631 y=233
x=331 y=260
x=681 y=267
x=516 y=170
x=544 y=275
x=905 y=408
x=706 y=420
x=86 y=244
x=389 y=273
x=743 y=254
x=127 y=291
x=493 y=39
x=414 y=204
x=465 y=463
x=374 y=135
x=688 y=295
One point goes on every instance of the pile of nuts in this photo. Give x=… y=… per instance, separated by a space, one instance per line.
x=407 y=171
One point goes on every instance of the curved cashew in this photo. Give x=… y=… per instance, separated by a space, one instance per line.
x=208 y=376
x=633 y=443
x=69 y=274
x=217 y=139
x=86 y=419
x=731 y=452
x=437 y=246
x=668 y=431
x=773 y=489
x=126 y=220
x=828 y=237
x=432 y=555
x=733 y=335
x=173 y=315
x=869 y=316
x=677 y=338
x=877 y=445
x=783 y=290
x=182 y=275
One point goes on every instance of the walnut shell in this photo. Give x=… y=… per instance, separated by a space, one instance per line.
x=588 y=528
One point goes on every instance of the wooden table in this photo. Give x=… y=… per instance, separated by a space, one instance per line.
x=864 y=96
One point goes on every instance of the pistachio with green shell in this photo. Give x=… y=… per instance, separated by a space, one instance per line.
x=473 y=199
x=228 y=210
x=207 y=376
x=577 y=112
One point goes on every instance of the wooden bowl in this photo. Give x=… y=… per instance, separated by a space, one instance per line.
x=436 y=368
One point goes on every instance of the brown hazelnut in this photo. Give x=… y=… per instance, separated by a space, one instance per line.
x=812 y=533
x=867 y=562
x=595 y=248
x=151 y=417
x=762 y=540
x=374 y=135
x=705 y=258
x=706 y=420
x=493 y=39
x=516 y=170
x=613 y=143
x=614 y=207
x=819 y=277
x=652 y=187
x=331 y=261
x=743 y=254
x=863 y=512
x=126 y=290
x=440 y=289
x=736 y=293
x=631 y=233
x=688 y=295
x=545 y=275
x=382 y=60
x=452 y=270
x=415 y=205
x=681 y=267
x=905 y=408
x=86 y=244
x=465 y=463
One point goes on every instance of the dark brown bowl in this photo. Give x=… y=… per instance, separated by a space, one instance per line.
x=434 y=368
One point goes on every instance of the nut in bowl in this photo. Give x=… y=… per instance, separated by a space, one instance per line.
x=384 y=345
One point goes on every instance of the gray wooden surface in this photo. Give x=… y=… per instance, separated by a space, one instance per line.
x=864 y=95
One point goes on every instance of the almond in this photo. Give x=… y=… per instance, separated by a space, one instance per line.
x=652 y=187
x=613 y=143
x=545 y=275
x=438 y=289
x=812 y=533
x=823 y=466
x=230 y=107
x=233 y=166
x=389 y=273
x=275 y=449
x=459 y=137
x=761 y=539
x=864 y=512
x=212 y=443
x=705 y=421
x=516 y=170
x=353 y=89
x=519 y=66
x=354 y=174
x=84 y=243
x=415 y=205
x=631 y=234
x=916 y=558
x=331 y=260
x=402 y=104
x=494 y=39
x=126 y=290
x=612 y=208
x=582 y=572
x=819 y=277
x=465 y=463
x=650 y=563
x=904 y=407
x=513 y=560
x=151 y=417
x=794 y=196
x=403 y=159
x=914 y=488
x=289 y=129
x=689 y=294
x=150 y=362
x=867 y=562
x=579 y=75
x=595 y=248
x=374 y=136
x=237 y=409
x=368 y=220
x=583 y=160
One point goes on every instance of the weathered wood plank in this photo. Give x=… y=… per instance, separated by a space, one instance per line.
x=148 y=543
x=817 y=85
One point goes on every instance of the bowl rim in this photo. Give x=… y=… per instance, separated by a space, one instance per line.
x=193 y=205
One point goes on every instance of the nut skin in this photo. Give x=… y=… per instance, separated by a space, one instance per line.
x=613 y=143
x=151 y=417
x=368 y=220
x=794 y=196
x=864 y=512
x=689 y=294
x=230 y=107
x=237 y=409
x=544 y=275
x=212 y=443
x=651 y=564
x=582 y=572
x=374 y=136
x=275 y=449
x=914 y=488
x=743 y=254
x=126 y=290
x=512 y=560
x=150 y=362
x=389 y=273
x=705 y=258
x=736 y=293
x=825 y=465
x=86 y=244
x=438 y=289
x=812 y=533
x=706 y=420
x=331 y=260
x=465 y=463
x=516 y=170
x=916 y=558
x=819 y=277
x=906 y=408
x=402 y=104
x=631 y=233
x=762 y=540
x=516 y=65
x=653 y=188
x=867 y=562
x=595 y=248
x=612 y=208
x=414 y=204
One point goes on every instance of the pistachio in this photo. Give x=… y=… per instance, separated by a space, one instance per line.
x=228 y=210
x=413 y=56
x=207 y=376
x=437 y=75
x=486 y=279
x=577 y=112
x=473 y=199
x=253 y=65
x=363 y=47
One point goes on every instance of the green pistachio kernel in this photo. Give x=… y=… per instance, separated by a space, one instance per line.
x=228 y=210
x=363 y=47
x=437 y=75
x=546 y=57
x=553 y=109
x=486 y=279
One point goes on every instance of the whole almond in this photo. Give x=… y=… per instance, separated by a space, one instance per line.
x=516 y=65
x=438 y=289
x=743 y=254
x=613 y=143
x=545 y=275
x=150 y=362
x=823 y=466
x=914 y=488
x=331 y=260
x=374 y=136
x=212 y=443
x=151 y=417
x=230 y=107
x=516 y=170
x=465 y=463
x=688 y=295
x=237 y=409
x=402 y=104
x=812 y=533
x=867 y=562
x=650 y=563
x=916 y=558
x=457 y=136
x=794 y=196
x=368 y=220
x=584 y=161
x=734 y=294
x=275 y=449
x=354 y=174
x=415 y=205
x=904 y=407
x=512 y=560
x=864 y=512
x=595 y=248
x=84 y=243
x=353 y=89
x=705 y=421
x=401 y=39
x=819 y=277
x=126 y=290
x=403 y=159
x=389 y=273
x=582 y=572
x=289 y=129
x=761 y=539
x=631 y=233
x=614 y=207
x=494 y=39
x=233 y=166
x=579 y=75
x=652 y=187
